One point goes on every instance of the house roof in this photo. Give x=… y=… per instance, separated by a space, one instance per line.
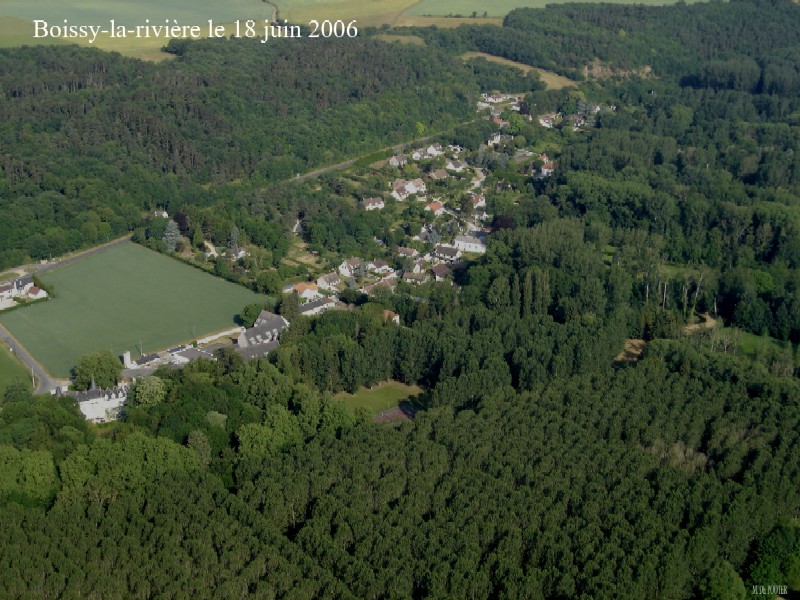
x=34 y=290
x=407 y=251
x=372 y=202
x=434 y=206
x=440 y=270
x=302 y=287
x=312 y=306
x=257 y=351
x=448 y=251
x=438 y=174
x=271 y=321
x=331 y=278
x=468 y=239
x=378 y=264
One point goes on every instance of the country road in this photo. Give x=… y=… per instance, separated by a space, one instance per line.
x=45 y=383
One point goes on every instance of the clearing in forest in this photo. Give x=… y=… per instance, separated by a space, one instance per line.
x=553 y=81
x=379 y=398
x=119 y=298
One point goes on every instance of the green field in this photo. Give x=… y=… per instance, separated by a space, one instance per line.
x=499 y=8
x=118 y=298
x=10 y=369
x=381 y=397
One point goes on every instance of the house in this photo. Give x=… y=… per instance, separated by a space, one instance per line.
x=372 y=203
x=160 y=214
x=455 y=148
x=35 y=293
x=419 y=154
x=494 y=98
x=306 y=291
x=415 y=278
x=438 y=175
x=392 y=317
x=237 y=252
x=478 y=201
x=267 y=328
x=17 y=287
x=407 y=252
x=416 y=186
x=440 y=272
x=351 y=267
x=380 y=266
x=258 y=351
x=500 y=122
x=548 y=121
x=434 y=150
x=398 y=160
x=499 y=139
x=455 y=165
x=317 y=306
x=469 y=243
x=435 y=207
x=548 y=169
x=400 y=189
x=329 y=282
x=481 y=215
x=387 y=283
x=418 y=267
x=188 y=355
x=101 y=406
x=447 y=253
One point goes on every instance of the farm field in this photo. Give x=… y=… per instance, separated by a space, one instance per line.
x=499 y=8
x=376 y=400
x=118 y=298
x=10 y=369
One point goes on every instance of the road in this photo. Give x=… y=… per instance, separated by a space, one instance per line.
x=45 y=382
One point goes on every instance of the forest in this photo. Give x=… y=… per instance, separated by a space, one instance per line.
x=539 y=464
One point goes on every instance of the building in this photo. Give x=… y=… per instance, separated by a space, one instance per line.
x=392 y=317
x=455 y=165
x=436 y=207
x=306 y=291
x=478 y=201
x=101 y=406
x=415 y=278
x=329 y=282
x=399 y=160
x=400 y=189
x=438 y=175
x=17 y=287
x=407 y=252
x=440 y=272
x=548 y=169
x=469 y=243
x=317 y=306
x=447 y=253
x=268 y=327
x=350 y=267
x=259 y=351
x=434 y=150
x=380 y=266
x=372 y=203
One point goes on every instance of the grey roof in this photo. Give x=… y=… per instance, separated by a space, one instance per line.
x=311 y=306
x=271 y=321
x=146 y=358
x=117 y=392
x=195 y=353
x=447 y=251
x=257 y=351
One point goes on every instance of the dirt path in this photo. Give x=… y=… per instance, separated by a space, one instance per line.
x=632 y=351
x=709 y=322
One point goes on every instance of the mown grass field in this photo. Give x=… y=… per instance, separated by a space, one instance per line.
x=381 y=397
x=118 y=298
x=11 y=369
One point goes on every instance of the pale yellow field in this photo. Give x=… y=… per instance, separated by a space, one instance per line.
x=554 y=81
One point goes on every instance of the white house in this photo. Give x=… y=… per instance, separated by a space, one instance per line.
x=372 y=203
x=548 y=169
x=267 y=328
x=35 y=293
x=317 y=306
x=416 y=186
x=329 y=282
x=349 y=267
x=101 y=406
x=447 y=253
x=478 y=201
x=306 y=291
x=469 y=243
x=398 y=160
x=455 y=165
x=434 y=150
x=380 y=266
x=400 y=190
x=409 y=252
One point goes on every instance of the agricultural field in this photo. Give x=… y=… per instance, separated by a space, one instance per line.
x=120 y=298
x=10 y=369
x=500 y=8
x=379 y=398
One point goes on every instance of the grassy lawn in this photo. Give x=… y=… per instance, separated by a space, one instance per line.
x=10 y=369
x=376 y=400
x=118 y=298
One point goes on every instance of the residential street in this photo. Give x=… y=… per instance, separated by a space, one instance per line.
x=45 y=383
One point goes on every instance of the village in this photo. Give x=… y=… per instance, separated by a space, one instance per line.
x=441 y=184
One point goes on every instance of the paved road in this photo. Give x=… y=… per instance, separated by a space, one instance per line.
x=45 y=383
x=80 y=256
